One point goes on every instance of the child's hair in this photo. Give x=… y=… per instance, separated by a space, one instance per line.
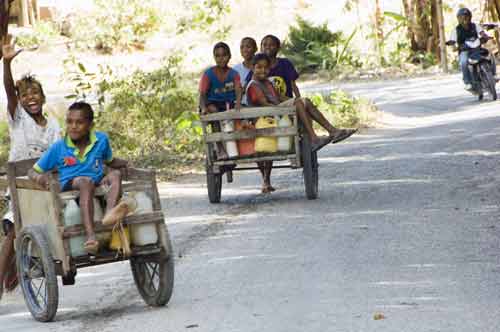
x=27 y=81
x=83 y=106
x=273 y=37
x=224 y=46
x=251 y=40
x=259 y=57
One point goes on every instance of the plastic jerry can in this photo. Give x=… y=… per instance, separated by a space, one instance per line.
x=246 y=147
x=144 y=234
x=72 y=217
x=284 y=142
x=266 y=144
x=231 y=147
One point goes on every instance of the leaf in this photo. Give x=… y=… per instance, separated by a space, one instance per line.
x=82 y=67
x=396 y=16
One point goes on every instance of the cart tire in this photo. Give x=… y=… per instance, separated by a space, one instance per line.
x=154 y=277
x=214 y=185
x=310 y=168
x=37 y=273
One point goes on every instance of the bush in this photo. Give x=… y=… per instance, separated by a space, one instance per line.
x=343 y=110
x=4 y=142
x=311 y=47
x=149 y=116
x=116 y=25
x=41 y=33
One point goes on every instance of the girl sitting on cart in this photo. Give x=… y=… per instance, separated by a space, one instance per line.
x=220 y=88
x=31 y=133
x=261 y=92
x=79 y=159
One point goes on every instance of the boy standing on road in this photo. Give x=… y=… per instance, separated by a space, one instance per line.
x=31 y=133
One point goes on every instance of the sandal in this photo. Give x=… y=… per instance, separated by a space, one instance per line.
x=322 y=141
x=341 y=134
x=91 y=246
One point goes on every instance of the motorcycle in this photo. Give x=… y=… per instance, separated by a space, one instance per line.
x=480 y=63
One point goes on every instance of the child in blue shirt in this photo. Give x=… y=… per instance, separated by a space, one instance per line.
x=220 y=85
x=79 y=159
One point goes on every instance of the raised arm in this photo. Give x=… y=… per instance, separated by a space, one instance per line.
x=9 y=53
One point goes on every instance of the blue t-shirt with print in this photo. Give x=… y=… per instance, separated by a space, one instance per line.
x=64 y=156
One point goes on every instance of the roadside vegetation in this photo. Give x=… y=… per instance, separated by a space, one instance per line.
x=151 y=114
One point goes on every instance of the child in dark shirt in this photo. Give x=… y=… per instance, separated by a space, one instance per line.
x=283 y=75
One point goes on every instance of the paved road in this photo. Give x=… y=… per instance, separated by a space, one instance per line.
x=405 y=226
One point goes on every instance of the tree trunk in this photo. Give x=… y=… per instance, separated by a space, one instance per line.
x=408 y=6
x=4 y=18
x=379 y=32
x=442 y=37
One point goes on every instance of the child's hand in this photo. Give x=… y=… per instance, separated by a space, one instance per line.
x=9 y=48
x=43 y=180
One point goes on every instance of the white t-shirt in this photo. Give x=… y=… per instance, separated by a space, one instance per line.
x=243 y=71
x=28 y=139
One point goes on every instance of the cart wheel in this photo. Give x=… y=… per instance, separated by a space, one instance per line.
x=214 y=185
x=154 y=277
x=37 y=273
x=310 y=168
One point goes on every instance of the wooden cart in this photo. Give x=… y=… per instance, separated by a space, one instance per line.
x=300 y=156
x=43 y=241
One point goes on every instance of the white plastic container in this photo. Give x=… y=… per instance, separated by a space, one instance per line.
x=231 y=147
x=72 y=217
x=144 y=234
x=284 y=142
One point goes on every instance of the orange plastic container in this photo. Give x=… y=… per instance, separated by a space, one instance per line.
x=246 y=147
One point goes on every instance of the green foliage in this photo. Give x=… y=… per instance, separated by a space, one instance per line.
x=206 y=16
x=426 y=59
x=312 y=47
x=87 y=84
x=4 y=142
x=150 y=116
x=343 y=110
x=400 y=54
x=116 y=25
x=41 y=33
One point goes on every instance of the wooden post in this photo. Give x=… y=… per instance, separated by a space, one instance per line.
x=442 y=37
x=23 y=13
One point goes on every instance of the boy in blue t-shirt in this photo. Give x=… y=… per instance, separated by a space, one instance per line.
x=79 y=159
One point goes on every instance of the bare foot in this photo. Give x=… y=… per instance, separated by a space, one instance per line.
x=222 y=155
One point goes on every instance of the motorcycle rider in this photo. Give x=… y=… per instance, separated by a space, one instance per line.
x=466 y=30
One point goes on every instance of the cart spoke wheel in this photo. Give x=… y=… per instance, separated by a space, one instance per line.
x=154 y=278
x=37 y=273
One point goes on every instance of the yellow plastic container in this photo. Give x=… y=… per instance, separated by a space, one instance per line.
x=266 y=144
x=118 y=242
